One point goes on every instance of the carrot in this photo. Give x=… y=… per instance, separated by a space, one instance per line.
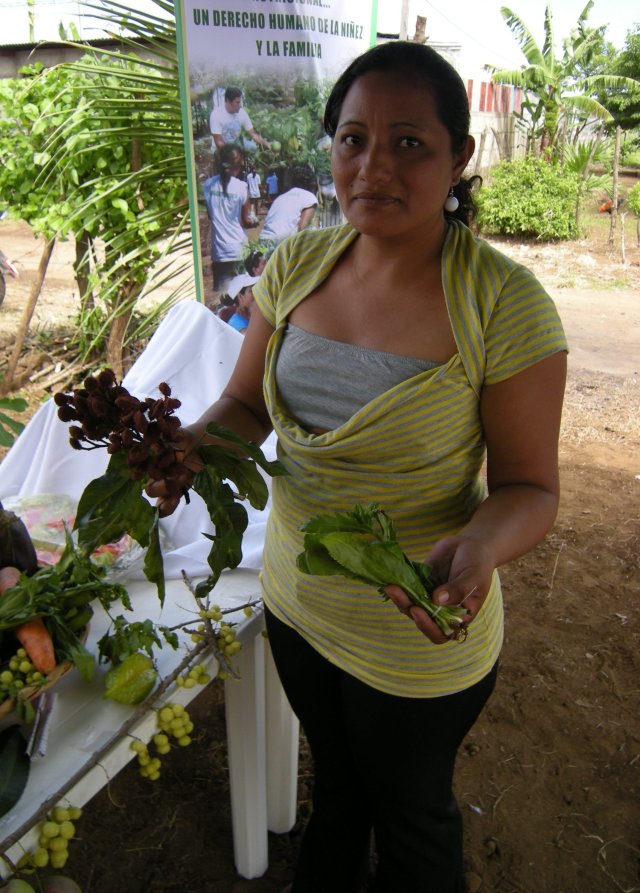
x=36 y=641
x=32 y=635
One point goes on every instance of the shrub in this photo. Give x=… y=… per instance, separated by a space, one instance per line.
x=530 y=197
x=633 y=199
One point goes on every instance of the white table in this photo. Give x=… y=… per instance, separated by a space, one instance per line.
x=262 y=733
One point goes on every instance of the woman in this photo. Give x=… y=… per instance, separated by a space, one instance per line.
x=229 y=209
x=396 y=352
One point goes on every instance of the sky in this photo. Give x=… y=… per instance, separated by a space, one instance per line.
x=485 y=38
x=476 y=25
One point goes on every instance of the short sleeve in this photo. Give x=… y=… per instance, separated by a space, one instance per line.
x=214 y=123
x=523 y=329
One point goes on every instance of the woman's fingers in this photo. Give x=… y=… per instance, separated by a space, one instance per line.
x=418 y=615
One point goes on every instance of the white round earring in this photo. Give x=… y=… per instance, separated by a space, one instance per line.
x=452 y=204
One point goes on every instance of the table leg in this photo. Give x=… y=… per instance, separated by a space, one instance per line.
x=245 y=717
x=282 y=736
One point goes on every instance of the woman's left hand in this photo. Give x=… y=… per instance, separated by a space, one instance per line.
x=464 y=563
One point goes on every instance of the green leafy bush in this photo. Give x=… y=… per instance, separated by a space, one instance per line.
x=633 y=199
x=530 y=197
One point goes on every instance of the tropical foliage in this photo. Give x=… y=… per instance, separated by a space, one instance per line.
x=561 y=92
x=94 y=149
x=530 y=197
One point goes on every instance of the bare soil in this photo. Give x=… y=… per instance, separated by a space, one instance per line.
x=548 y=778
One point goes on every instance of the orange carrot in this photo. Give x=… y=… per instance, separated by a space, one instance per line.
x=32 y=635
x=36 y=641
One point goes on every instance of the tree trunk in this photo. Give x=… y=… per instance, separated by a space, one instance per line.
x=614 y=197
x=27 y=313
x=82 y=267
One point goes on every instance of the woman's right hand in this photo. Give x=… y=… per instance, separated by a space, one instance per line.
x=164 y=491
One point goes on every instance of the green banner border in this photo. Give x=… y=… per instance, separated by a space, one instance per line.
x=187 y=130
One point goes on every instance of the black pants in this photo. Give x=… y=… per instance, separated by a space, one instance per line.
x=381 y=762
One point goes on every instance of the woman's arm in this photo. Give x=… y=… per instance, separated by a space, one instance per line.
x=240 y=407
x=521 y=421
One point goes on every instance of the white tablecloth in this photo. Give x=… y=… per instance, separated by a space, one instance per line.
x=194 y=352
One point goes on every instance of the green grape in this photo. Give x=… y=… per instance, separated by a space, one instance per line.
x=60 y=814
x=40 y=858
x=59 y=859
x=67 y=830
x=184 y=740
x=50 y=829
x=6 y=677
x=75 y=813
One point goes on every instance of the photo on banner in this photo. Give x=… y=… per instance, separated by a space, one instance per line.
x=255 y=75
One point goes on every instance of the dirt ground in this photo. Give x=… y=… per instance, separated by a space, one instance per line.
x=548 y=778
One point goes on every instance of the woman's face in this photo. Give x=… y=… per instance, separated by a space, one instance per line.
x=392 y=160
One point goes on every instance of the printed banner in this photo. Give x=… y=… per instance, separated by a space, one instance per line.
x=255 y=75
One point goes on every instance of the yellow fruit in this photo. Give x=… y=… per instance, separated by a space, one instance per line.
x=132 y=680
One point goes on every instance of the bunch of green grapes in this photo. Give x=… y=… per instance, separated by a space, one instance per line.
x=17 y=674
x=55 y=833
x=149 y=766
x=197 y=675
x=173 y=722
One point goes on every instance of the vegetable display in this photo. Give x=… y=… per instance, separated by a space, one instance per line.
x=362 y=545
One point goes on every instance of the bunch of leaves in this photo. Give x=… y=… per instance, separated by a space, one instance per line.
x=140 y=436
x=530 y=197
x=362 y=545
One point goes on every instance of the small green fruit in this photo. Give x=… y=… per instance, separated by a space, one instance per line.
x=276 y=146
x=15 y=885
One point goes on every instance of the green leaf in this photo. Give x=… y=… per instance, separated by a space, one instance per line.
x=153 y=564
x=14 y=768
x=113 y=505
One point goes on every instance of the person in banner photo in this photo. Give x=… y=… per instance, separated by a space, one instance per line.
x=292 y=211
x=228 y=121
x=414 y=377
x=229 y=209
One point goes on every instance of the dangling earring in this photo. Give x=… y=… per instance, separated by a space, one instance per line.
x=452 y=204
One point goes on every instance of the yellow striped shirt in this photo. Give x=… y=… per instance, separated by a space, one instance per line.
x=416 y=450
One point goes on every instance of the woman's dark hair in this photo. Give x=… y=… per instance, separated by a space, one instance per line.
x=419 y=63
x=227 y=159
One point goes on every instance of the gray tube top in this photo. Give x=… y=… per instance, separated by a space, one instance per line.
x=323 y=382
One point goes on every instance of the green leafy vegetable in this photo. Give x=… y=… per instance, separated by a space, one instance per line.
x=363 y=545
